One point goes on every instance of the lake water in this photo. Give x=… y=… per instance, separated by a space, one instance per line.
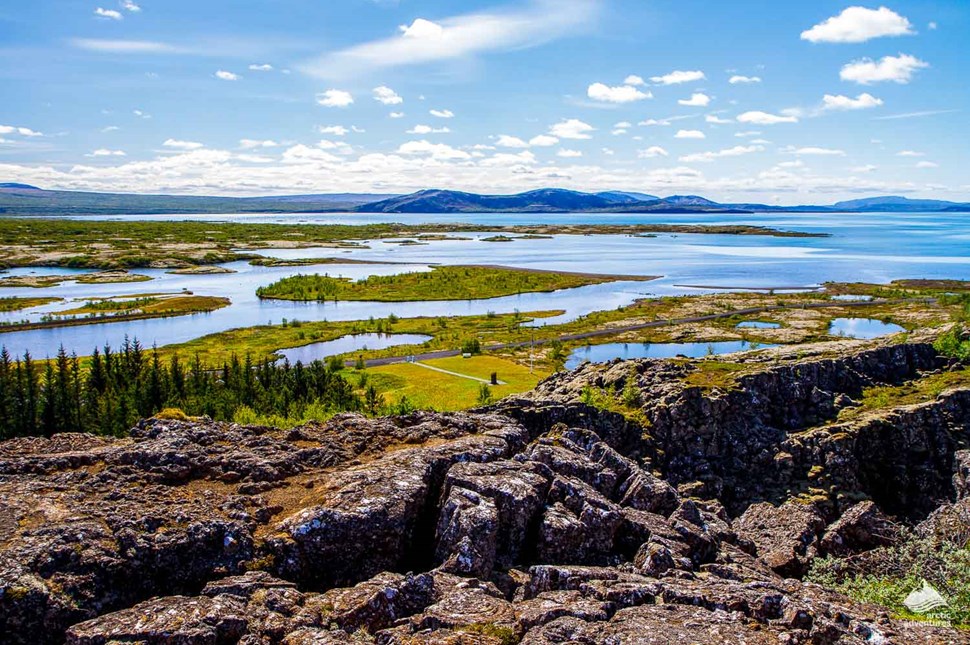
x=867 y=247
x=864 y=328
x=757 y=324
x=351 y=343
x=610 y=351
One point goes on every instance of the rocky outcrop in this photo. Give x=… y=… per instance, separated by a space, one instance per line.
x=541 y=521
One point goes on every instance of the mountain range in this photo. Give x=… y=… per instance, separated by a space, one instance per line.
x=23 y=199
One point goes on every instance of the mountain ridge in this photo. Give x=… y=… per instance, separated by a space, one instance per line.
x=23 y=199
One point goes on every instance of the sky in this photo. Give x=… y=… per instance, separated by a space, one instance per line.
x=802 y=101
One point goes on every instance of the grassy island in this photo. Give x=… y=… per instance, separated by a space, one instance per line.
x=443 y=283
x=17 y=304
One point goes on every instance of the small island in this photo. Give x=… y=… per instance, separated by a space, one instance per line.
x=442 y=283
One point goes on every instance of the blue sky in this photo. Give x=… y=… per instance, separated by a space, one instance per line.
x=778 y=102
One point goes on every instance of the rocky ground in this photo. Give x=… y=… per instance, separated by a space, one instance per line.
x=691 y=516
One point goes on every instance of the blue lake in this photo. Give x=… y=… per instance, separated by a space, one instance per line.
x=868 y=247
x=757 y=324
x=863 y=328
x=610 y=351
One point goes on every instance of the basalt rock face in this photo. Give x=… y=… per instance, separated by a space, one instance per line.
x=543 y=520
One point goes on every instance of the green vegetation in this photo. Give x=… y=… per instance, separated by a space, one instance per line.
x=504 y=634
x=118 y=388
x=43 y=281
x=116 y=310
x=887 y=575
x=102 y=244
x=955 y=343
x=442 y=283
x=16 y=304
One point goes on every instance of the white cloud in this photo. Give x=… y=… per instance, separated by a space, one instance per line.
x=335 y=99
x=183 y=145
x=109 y=14
x=24 y=132
x=125 y=46
x=227 y=76
x=506 y=141
x=898 y=69
x=932 y=26
x=690 y=134
x=265 y=67
x=569 y=154
x=634 y=80
x=840 y=102
x=336 y=130
x=797 y=163
x=649 y=122
x=713 y=118
x=509 y=160
x=859 y=24
x=442 y=114
x=571 y=129
x=814 y=151
x=736 y=151
x=129 y=5
x=438 y=151
x=396 y=115
x=910 y=153
x=340 y=147
x=697 y=99
x=618 y=94
x=864 y=169
x=104 y=152
x=738 y=79
x=387 y=96
x=609 y=152
x=110 y=128
x=927 y=164
x=250 y=144
x=747 y=133
x=427 y=129
x=651 y=152
x=764 y=118
x=424 y=41
x=141 y=115
x=678 y=77
x=305 y=155
x=543 y=141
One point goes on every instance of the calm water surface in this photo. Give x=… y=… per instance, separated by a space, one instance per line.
x=611 y=351
x=351 y=343
x=868 y=247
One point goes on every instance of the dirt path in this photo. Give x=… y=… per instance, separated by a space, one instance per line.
x=612 y=331
x=465 y=376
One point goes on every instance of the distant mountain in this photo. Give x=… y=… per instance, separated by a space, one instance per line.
x=450 y=201
x=23 y=199
x=12 y=186
x=896 y=204
x=627 y=197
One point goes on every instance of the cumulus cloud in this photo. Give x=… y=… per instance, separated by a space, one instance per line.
x=105 y=152
x=736 y=151
x=839 y=102
x=442 y=114
x=109 y=46
x=22 y=131
x=387 y=96
x=897 y=69
x=543 y=141
x=129 y=5
x=690 y=134
x=697 y=99
x=507 y=141
x=569 y=154
x=617 y=94
x=738 y=79
x=425 y=41
x=439 y=151
x=764 y=118
x=859 y=24
x=678 y=77
x=250 y=144
x=427 y=129
x=910 y=153
x=927 y=164
x=336 y=130
x=108 y=14
x=864 y=169
x=335 y=99
x=227 y=76
x=265 y=67
x=651 y=152
x=396 y=115
x=178 y=144
x=717 y=120
x=572 y=129
x=634 y=80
